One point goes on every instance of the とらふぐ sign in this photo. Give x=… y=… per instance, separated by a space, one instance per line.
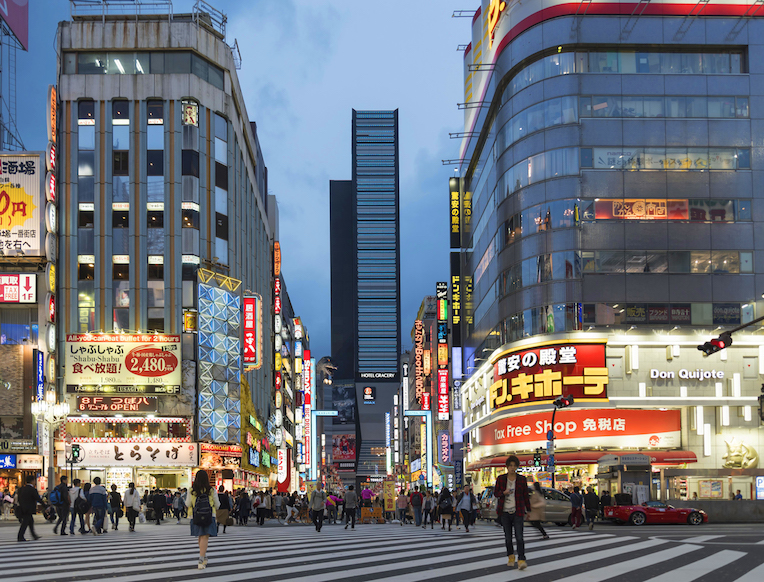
x=541 y=374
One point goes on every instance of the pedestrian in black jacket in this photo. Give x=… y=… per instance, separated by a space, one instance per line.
x=28 y=498
x=159 y=502
x=591 y=503
x=62 y=507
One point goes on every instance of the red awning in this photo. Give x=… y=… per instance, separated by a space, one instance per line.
x=590 y=458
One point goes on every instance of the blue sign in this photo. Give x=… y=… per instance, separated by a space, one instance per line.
x=40 y=375
x=254 y=457
x=7 y=461
x=759 y=487
x=325 y=412
x=458 y=474
x=550 y=435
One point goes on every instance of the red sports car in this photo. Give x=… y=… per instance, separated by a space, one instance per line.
x=655 y=512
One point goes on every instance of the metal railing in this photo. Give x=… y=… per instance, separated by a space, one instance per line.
x=103 y=8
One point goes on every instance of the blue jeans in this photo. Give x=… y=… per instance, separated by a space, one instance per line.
x=74 y=516
x=513 y=522
x=99 y=515
x=418 y=515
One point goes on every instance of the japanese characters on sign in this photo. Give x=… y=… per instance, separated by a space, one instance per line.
x=419 y=359
x=116 y=403
x=173 y=454
x=122 y=359
x=21 y=224
x=444 y=446
x=611 y=428
x=122 y=389
x=253 y=317
x=443 y=400
x=541 y=374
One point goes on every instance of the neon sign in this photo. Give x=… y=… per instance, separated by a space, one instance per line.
x=495 y=9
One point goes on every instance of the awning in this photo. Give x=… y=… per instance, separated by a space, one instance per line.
x=590 y=458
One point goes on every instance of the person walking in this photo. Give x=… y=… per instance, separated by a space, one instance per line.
x=366 y=496
x=224 y=508
x=464 y=505
x=317 y=505
x=291 y=507
x=427 y=510
x=203 y=502
x=87 y=507
x=177 y=506
x=132 y=505
x=576 y=505
x=265 y=506
x=513 y=503
x=59 y=499
x=159 y=503
x=27 y=497
x=606 y=501
x=98 y=503
x=351 y=502
x=445 y=508
x=401 y=504
x=115 y=507
x=417 y=499
x=7 y=502
x=75 y=494
x=537 y=514
x=245 y=506
x=591 y=504
x=277 y=502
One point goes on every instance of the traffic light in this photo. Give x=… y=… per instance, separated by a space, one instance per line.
x=75 y=453
x=537 y=458
x=717 y=344
x=563 y=401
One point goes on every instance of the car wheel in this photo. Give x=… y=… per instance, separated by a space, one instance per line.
x=570 y=519
x=694 y=518
x=637 y=518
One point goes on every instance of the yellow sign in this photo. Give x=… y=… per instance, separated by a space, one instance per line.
x=276 y=259
x=389 y=495
x=189 y=321
x=277 y=362
x=495 y=8
x=52 y=107
x=51 y=268
x=16 y=206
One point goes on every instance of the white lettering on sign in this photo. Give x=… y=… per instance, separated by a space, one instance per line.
x=685 y=374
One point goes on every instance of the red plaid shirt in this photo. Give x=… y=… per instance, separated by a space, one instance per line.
x=522 y=499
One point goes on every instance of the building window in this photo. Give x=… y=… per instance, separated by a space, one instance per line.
x=85 y=297
x=121 y=284
x=155 y=162
x=190 y=163
x=155 y=287
x=155 y=222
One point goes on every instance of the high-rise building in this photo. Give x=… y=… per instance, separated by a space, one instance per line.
x=164 y=243
x=365 y=261
x=603 y=225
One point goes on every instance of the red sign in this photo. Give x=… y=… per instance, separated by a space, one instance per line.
x=277 y=286
x=151 y=362
x=610 y=428
x=542 y=374
x=639 y=209
x=18 y=288
x=277 y=305
x=51 y=308
x=116 y=404
x=426 y=400
x=251 y=344
x=277 y=380
x=443 y=405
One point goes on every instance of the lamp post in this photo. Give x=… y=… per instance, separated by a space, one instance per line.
x=51 y=414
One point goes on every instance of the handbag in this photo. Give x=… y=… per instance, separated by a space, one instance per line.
x=142 y=517
x=120 y=513
x=229 y=521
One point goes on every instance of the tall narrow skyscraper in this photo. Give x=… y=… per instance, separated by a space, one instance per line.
x=365 y=264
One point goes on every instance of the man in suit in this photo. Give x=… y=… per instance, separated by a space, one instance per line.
x=28 y=499
x=513 y=502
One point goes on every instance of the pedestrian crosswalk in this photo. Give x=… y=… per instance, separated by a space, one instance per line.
x=371 y=552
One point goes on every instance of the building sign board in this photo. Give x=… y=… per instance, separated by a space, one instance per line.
x=168 y=454
x=116 y=404
x=21 y=288
x=21 y=203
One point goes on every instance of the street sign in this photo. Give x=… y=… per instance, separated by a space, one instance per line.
x=550 y=460
x=550 y=447
x=550 y=435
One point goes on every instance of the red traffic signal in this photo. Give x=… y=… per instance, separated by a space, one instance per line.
x=563 y=401
x=716 y=344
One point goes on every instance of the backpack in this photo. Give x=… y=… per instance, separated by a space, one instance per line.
x=445 y=505
x=81 y=505
x=202 y=511
x=55 y=497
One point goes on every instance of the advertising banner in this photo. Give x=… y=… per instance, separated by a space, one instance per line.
x=21 y=204
x=116 y=404
x=343 y=447
x=139 y=454
x=253 y=322
x=20 y=288
x=541 y=374
x=219 y=456
x=388 y=492
x=343 y=401
x=123 y=359
x=584 y=428
x=444 y=446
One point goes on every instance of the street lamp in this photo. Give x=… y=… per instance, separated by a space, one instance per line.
x=51 y=414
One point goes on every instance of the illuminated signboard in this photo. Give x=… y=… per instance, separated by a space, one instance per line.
x=456 y=238
x=21 y=204
x=253 y=321
x=443 y=404
x=369 y=395
x=419 y=359
x=541 y=374
x=442 y=355
x=444 y=446
x=40 y=370
x=306 y=407
x=116 y=404
x=387 y=429
x=442 y=310
x=456 y=300
x=276 y=259
x=18 y=288
x=426 y=400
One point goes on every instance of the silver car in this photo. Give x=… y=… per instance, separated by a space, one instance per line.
x=557 y=505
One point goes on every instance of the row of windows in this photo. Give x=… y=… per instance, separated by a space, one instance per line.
x=143 y=63
x=674 y=106
x=670 y=158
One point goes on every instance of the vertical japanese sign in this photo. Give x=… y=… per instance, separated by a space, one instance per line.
x=306 y=407
x=40 y=375
x=455 y=213
x=253 y=318
x=419 y=361
x=443 y=403
x=21 y=225
x=456 y=301
x=444 y=446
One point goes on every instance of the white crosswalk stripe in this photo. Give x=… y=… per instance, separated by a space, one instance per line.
x=375 y=553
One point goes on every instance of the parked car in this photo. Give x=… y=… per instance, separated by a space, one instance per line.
x=557 y=505
x=653 y=512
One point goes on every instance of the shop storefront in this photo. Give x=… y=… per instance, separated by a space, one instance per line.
x=16 y=467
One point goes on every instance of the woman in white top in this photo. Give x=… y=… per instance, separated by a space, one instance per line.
x=132 y=501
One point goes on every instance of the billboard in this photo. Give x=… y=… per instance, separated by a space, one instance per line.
x=343 y=447
x=15 y=13
x=343 y=401
x=173 y=454
x=253 y=330
x=122 y=359
x=112 y=404
x=21 y=202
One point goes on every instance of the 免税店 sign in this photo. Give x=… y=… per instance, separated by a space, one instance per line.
x=586 y=428
x=536 y=375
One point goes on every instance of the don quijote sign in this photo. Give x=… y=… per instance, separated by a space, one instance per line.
x=123 y=359
x=540 y=374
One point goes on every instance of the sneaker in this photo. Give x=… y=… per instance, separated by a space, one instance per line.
x=201 y=565
x=511 y=561
x=521 y=565
x=346 y=525
x=546 y=537
x=55 y=530
x=205 y=561
x=591 y=526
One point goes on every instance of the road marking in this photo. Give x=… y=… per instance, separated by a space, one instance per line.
x=699 y=539
x=755 y=575
x=695 y=570
x=630 y=565
x=761 y=543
